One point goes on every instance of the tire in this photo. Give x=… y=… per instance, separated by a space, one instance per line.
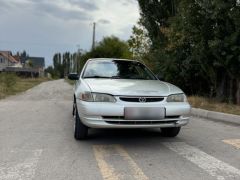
x=80 y=130
x=74 y=109
x=170 y=132
x=74 y=106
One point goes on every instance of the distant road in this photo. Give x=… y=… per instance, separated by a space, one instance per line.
x=36 y=142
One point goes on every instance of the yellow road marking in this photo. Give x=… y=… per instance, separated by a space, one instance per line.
x=106 y=169
x=109 y=172
x=137 y=172
x=233 y=142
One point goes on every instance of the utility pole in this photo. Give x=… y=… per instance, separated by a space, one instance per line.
x=94 y=35
x=8 y=59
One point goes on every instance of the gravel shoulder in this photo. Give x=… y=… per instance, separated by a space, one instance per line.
x=50 y=90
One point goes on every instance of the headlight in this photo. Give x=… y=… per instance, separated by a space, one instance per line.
x=103 y=97
x=177 y=98
x=86 y=96
x=96 y=97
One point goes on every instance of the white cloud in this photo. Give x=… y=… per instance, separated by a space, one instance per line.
x=43 y=27
x=120 y=14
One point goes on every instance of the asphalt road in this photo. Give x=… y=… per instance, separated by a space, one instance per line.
x=36 y=142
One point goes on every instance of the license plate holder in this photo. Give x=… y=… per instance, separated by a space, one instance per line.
x=144 y=113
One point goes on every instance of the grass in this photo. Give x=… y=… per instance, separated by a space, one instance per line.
x=71 y=82
x=22 y=84
x=213 y=105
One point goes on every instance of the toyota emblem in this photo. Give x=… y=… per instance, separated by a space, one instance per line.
x=142 y=99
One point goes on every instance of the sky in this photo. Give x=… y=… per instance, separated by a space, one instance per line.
x=44 y=27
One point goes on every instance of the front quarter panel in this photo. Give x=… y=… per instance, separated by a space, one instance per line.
x=81 y=86
x=173 y=89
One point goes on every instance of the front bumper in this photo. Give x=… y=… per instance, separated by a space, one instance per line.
x=111 y=115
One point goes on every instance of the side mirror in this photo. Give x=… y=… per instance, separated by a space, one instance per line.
x=73 y=76
x=160 y=76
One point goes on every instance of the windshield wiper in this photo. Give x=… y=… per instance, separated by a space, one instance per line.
x=138 y=78
x=96 y=77
x=116 y=77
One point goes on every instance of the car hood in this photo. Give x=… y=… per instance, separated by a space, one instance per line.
x=125 y=87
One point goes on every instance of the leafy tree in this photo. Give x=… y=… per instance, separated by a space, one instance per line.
x=198 y=42
x=139 y=41
x=30 y=63
x=111 y=47
x=155 y=15
x=51 y=71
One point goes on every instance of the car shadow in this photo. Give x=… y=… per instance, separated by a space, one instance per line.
x=126 y=136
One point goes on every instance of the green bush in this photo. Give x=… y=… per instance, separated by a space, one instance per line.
x=7 y=81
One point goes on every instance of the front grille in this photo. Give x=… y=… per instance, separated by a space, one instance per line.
x=142 y=99
x=139 y=122
x=122 y=117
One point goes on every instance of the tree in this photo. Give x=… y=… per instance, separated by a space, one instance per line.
x=139 y=41
x=111 y=47
x=50 y=70
x=155 y=15
x=58 y=65
x=198 y=42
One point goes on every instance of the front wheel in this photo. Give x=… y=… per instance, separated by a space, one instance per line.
x=170 y=132
x=74 y=109
x=80 y=130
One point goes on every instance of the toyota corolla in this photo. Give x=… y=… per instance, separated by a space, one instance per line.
x=116 y=93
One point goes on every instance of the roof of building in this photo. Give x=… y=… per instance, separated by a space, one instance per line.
x=8 y=55
x=17 y=58
x=38 y=62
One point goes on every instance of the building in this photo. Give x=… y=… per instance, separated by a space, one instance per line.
x=37 y=63
x=29 y=66
x=7 y=60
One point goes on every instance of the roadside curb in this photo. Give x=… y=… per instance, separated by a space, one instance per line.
x=216 y=116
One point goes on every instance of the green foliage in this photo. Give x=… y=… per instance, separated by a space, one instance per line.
x=51 y=71
x=109 y=47
x=29 y=63
x=7 y=82
x=155 y=15
x=139 y=41
x=196 y=44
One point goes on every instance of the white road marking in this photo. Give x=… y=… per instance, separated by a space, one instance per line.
x=210 y=164
x=108 y=171
x=233 y=142
x=22 y=171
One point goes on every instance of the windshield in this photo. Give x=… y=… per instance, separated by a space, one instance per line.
x=117 y=69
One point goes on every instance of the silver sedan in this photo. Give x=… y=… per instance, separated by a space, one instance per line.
x=116 y=93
